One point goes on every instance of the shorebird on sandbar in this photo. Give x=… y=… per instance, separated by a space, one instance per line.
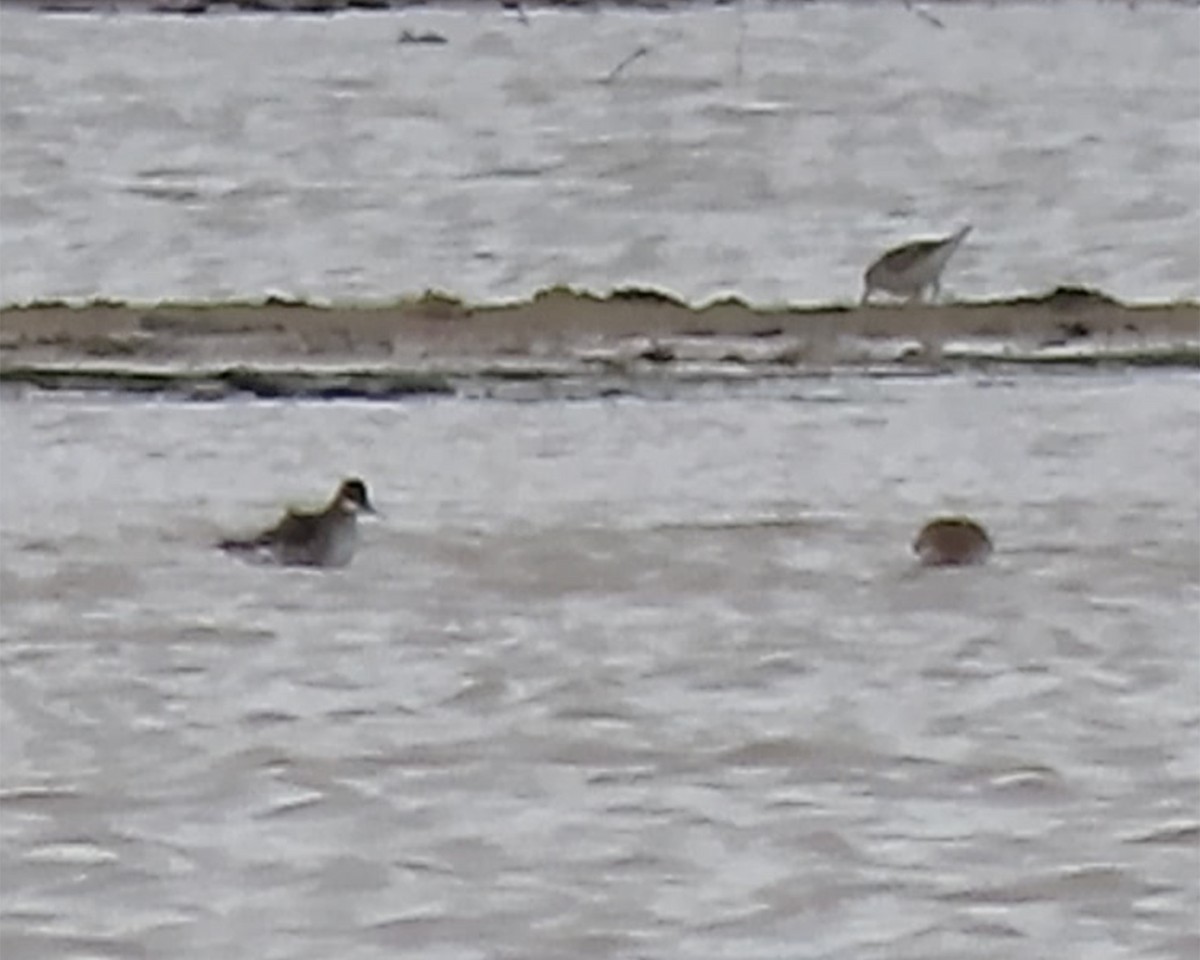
x=327 y=538
x=909 y=270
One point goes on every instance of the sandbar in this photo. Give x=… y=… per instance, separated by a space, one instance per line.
x=568 y=332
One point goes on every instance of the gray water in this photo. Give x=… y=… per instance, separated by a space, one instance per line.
x=771 y=152
x=609 y=678
x=612 y=678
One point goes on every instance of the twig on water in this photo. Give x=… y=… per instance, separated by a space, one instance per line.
x=924 y=15
x=636 y=55
x=520 y=10
x=741 y=39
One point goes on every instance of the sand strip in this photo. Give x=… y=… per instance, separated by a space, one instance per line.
x=431 y=343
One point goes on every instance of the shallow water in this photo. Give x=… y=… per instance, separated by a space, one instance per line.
x=768 y=151
x=609 y=678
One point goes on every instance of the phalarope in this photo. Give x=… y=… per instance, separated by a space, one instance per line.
x=327 y=538
x=952 y=542
x=908 y=270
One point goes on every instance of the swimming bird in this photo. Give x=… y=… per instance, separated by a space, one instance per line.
x=327 y=538
x=908 y=270
x=952 y=542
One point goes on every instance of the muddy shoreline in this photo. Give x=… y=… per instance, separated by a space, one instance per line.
x=438 y=344
x=193 y=8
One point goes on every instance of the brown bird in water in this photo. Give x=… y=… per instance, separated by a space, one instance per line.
x=327 y=538
x=952 y=541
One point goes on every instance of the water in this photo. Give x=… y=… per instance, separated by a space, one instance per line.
x=770 y=152
x=618 y=677
x=609 y=678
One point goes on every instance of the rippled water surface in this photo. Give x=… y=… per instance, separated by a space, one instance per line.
x=608 y=679
x=772 y=152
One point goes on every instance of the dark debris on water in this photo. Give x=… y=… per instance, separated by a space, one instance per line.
x=236 y=381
